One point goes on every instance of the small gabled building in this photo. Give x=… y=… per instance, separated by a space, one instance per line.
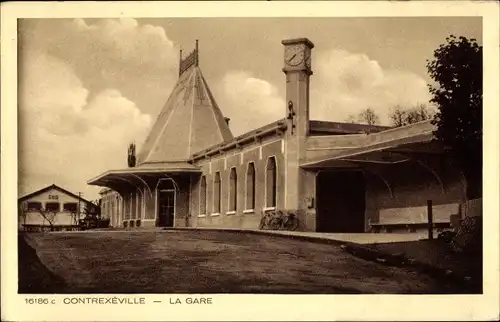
x=337 y=177
x=52 y=207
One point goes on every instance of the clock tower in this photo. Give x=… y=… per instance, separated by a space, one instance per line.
x=297 y=68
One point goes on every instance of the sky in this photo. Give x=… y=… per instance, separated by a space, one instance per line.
x=89 y=87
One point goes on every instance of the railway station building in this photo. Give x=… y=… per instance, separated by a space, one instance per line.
x=337 y=177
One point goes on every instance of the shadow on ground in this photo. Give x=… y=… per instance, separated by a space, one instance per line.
x=34 y=277
x=205 y=262
x=437 y=258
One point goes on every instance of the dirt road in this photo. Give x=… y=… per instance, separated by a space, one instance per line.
x=213 y=262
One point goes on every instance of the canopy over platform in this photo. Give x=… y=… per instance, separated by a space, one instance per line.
x=138 y=177
x=386 y=147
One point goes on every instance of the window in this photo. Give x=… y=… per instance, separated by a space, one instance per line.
x=271 y=182
x=203 y=195
x=217 y=189
x=233 y=195
x=52 y=206
x=70 y=206
x=250 y=192
x=34 y=205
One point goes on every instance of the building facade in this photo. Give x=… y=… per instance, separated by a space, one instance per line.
x=49 y=207
x=337 y=177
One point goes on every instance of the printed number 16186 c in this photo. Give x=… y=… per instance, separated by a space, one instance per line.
x=39 y=300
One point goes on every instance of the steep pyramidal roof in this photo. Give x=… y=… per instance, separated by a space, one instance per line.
x=189 y=122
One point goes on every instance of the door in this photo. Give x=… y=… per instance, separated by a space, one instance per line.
x=166 y=208
x=340 y=199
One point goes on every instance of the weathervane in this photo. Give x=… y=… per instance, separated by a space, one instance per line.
x=192 y=59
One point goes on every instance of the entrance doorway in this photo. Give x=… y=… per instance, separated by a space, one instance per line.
x=166 y=207
x=340 y=199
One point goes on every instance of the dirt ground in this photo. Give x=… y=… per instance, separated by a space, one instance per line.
x=205 y=262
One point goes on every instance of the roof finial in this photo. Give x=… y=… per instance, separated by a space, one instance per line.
x=196 y=57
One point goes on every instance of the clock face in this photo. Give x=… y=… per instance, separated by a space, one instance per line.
x=294 y=56
x=308 y=59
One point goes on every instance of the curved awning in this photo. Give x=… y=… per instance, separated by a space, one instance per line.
x=382 y=147
x=139 y=176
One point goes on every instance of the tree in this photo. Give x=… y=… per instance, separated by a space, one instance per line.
x=23 y=212
x=368 y=116
x=402 y=117
x=418 y=114
x=50 y=216
x=398 y=116
x=457 y=70
x=92 y=209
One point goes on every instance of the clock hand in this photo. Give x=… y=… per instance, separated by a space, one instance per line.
x=292 y=57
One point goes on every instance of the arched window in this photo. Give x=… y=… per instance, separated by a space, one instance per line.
x=233 y=195
x=203 y=195
x=217 y=189
x=250 y=187
x=271 y=182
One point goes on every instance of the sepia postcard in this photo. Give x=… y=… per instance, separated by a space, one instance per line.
x=186 y=161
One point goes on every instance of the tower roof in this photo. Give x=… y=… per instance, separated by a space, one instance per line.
x=189 y=122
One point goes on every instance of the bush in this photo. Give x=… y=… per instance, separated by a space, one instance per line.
x=279 y=220
x=447 y=236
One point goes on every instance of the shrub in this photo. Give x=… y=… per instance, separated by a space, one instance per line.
x=279 y=220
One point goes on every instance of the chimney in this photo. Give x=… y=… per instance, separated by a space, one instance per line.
x=227 y=119
x=180 y=62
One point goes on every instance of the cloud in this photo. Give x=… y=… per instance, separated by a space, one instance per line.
x=250 y=102
x=346 y=83
x=110 y=53
x=67 y=137
x=121 y=40
x=81 y=96
x=117 y=41
x=343 y=84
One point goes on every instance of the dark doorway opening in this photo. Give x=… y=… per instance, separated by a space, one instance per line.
x=340 y=199
x=166 y=208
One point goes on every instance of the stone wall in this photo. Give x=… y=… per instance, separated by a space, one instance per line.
x=398 y=193
x=242 y=217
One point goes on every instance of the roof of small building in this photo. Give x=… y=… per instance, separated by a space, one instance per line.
x=56 y=187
